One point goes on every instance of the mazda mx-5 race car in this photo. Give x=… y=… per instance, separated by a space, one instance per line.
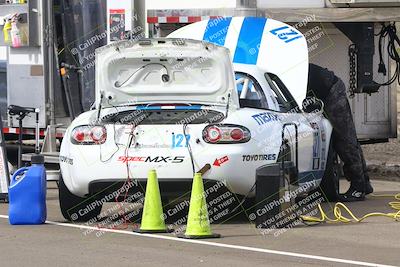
x=176 y=105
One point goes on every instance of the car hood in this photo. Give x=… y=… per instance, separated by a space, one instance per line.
x=157 y=71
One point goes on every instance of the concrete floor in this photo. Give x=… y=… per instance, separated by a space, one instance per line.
x=376 y=241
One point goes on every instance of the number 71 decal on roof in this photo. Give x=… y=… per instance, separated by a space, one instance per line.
x=286 y=34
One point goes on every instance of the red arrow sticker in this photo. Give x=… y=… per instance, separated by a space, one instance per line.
x=219 y=162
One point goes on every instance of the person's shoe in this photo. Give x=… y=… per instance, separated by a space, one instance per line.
x=368 y=188
x=353 y=194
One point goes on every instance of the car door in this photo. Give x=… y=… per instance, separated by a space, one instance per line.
x=308 y=130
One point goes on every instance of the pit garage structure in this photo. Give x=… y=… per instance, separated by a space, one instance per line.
x=332 y=28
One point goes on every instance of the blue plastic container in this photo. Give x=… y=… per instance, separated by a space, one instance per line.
x=27 y=195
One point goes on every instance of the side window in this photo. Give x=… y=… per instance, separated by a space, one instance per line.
x=281 y=94
x=250 y=92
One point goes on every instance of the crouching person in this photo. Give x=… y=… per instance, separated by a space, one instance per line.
x=330 y=89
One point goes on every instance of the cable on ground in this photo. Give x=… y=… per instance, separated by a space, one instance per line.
x=340 y=209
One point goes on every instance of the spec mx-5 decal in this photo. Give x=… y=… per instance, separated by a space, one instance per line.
x=150 y=159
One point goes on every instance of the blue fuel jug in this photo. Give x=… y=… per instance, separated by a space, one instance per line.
x=27 y=194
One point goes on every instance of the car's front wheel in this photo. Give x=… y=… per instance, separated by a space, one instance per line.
x=75 y=208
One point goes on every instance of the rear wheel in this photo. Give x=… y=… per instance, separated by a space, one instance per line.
x=77 y=209
x=329 y=186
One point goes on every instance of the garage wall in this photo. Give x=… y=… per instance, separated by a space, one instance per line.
x=3 y=53
x=185 y=4
x=25 y=79
x=375 y=114
x=3 y=81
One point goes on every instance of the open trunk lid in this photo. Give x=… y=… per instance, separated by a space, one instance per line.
x=164 y=71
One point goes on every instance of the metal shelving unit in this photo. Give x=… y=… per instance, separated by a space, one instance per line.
x=29 y=14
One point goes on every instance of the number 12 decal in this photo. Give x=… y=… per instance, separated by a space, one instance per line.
x=179 y=140
x=286 y=34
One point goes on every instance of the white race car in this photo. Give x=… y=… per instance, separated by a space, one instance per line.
x=176 y=105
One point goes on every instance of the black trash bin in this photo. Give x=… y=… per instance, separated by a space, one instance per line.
x=271 y=207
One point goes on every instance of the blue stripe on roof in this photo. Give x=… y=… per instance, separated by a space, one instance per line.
x=217 y=30
x=250 y=37
x=196 y=107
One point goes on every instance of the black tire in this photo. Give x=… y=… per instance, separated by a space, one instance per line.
x=329 y=186
x=71 y=205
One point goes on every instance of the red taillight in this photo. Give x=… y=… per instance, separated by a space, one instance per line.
x=89 y=135
x=213 y=134
x=98 y=134
x=79 y=136
x=237 y=134
x=226 y=134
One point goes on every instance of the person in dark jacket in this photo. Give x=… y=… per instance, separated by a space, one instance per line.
x=330 y=89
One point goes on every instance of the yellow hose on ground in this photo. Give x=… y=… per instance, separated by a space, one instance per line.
x=339 y=217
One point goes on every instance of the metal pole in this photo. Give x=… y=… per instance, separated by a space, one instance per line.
x=139 y=18
x=246 y=3
x=37 y=132
x=20 y=142
x=4 y=172
x=48 y=53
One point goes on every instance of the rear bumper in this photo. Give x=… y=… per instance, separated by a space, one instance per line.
x=169 y=188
